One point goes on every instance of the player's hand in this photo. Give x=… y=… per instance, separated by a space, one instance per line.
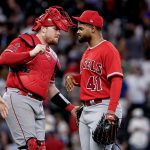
x=3 y=108
x=40 y=48
x=70 y=83
x=110 y=116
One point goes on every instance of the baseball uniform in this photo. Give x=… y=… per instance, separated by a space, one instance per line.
x=98 y=65
x=36 y=79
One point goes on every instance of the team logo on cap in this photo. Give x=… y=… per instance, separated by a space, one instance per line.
x=91 y=20
x=49 y=19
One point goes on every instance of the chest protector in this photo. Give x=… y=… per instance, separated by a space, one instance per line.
x=38 y=72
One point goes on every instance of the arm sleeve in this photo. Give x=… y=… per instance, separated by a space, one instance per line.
x=15 y=53
x=115 y=90
x=11 y=58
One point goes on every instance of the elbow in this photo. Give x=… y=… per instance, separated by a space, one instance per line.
x=52 y=90
x=3 y=59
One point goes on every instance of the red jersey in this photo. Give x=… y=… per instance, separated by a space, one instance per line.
x=41 y=68
x=97 y=65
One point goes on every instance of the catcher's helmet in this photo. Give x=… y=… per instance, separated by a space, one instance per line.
x=54 y=16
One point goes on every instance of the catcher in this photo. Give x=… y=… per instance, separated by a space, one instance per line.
x=100 y=82
x=31 y=79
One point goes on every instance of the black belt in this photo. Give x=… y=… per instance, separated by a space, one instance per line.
x=35 y=96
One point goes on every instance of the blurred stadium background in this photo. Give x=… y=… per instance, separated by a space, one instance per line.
x=127 y=25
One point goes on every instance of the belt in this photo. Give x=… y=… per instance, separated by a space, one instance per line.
x=92 y=102
x=35 y=96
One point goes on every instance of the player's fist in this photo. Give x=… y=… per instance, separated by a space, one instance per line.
x=40 y=48
x=110 y=115
x=69 y=83
x=3 y=108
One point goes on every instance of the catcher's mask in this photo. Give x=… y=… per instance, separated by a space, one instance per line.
x=54 y=16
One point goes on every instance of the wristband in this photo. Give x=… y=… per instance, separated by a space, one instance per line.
x=62 y=102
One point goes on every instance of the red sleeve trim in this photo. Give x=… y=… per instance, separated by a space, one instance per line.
x=114 y=73
x=52 y=81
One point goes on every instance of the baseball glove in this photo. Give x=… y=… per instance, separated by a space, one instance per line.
x=106 y=131
x=79 y=112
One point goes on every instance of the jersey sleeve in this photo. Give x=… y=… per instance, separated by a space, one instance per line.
x=112 y=62
x=15 y=53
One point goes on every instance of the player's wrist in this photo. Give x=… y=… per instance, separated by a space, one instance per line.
x=111 y=112
x=69 y=107
x=62 y=102
x=110 y=115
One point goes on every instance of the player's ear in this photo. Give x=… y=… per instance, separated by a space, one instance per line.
x=93 y=29
x=43 y=29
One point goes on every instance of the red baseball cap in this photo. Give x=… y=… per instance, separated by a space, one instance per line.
x=53 y=16
x=91 y=17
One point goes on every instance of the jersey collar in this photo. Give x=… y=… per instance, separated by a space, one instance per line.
x=96 y=45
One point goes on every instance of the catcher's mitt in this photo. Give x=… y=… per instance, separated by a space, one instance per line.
x=106 y=131
x=79 y=112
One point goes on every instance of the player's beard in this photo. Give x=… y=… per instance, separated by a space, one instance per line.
x=83 y=38
x=53 y=41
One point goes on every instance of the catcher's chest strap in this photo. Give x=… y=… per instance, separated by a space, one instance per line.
x=28 y=40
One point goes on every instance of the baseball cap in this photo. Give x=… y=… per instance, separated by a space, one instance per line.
x=90 y=17
x=54 y=16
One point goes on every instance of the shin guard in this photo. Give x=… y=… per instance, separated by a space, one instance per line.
x=32 y=144
x=41 y=145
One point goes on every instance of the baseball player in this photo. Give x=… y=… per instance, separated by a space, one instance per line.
x=31 y=78
x=100 y=79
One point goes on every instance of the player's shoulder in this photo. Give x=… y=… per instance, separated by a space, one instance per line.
x=18 y=39
x=15 y=45
x=109 y=47
x=29 y=39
